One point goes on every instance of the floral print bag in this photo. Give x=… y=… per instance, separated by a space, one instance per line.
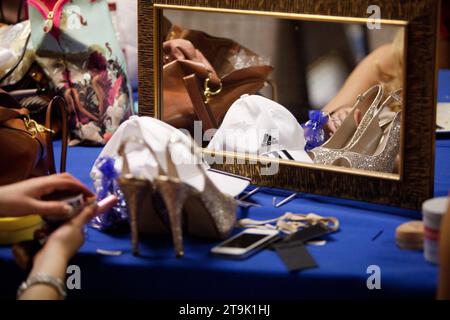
x=75 y=43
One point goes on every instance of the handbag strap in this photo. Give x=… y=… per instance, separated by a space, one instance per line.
x=201 y=109
x=58 y=103
x=291 y=222
x=11 y=108
x=7 y=114
x=8 y=101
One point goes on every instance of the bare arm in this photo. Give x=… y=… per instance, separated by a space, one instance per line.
x=60 y=247
x=51 y=262
x=365 y=75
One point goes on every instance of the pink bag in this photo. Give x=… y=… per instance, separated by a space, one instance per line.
x=75 y=44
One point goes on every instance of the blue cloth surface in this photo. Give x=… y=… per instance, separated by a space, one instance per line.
x=444 y=86
x=342 y=262
x=366 y=238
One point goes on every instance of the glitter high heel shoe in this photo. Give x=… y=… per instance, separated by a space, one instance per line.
x=370 y=152
x=348 y=133
x=174 y=193
x=208 y=213
x=382 y=159
x=154 y=204
x=168 y=200
x=141 y=197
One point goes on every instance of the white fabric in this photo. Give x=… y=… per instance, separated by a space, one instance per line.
x=13 y=39
x=125 y=22
x=257 y=125
x=158 y=134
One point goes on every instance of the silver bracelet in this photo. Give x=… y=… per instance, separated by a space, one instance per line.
x=42 y=278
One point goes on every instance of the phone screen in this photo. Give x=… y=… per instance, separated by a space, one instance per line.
x=244 y=240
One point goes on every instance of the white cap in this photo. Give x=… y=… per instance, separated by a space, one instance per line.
x=157 y=135
x=260 y=126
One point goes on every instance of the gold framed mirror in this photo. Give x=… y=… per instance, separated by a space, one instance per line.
x=293 y=57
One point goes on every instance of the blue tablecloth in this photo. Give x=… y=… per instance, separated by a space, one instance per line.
x=366 y=238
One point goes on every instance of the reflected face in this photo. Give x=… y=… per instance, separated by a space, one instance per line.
x=325 y=93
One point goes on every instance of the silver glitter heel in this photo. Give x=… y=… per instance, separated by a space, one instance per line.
x=368 y=142
x=348 y=133
x=209 y=213
x=141 y=198
x=174 y=194
x=382 y=159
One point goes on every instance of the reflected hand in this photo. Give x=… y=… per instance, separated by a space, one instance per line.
x=181 y=49
x=339 y=116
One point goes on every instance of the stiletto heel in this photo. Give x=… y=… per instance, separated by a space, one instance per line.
x=140 y=197
x=174 y=194
x=135 y=191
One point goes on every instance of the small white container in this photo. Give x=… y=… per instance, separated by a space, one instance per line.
x=433 y=210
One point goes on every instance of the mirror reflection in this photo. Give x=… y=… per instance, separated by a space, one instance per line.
x=327 y=93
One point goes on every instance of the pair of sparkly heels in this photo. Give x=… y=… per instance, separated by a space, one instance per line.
x=167 y=204
x=373 y=144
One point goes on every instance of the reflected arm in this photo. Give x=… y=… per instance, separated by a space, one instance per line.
x=365 y=75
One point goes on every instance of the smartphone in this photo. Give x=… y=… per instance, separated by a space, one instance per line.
x=245 y=243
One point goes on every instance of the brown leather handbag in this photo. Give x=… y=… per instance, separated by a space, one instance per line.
x=213 y=66
x=27 y=147
x=12 y=11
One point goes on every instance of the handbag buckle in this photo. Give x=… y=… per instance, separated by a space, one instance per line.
x=34 y=128
x=208 y=93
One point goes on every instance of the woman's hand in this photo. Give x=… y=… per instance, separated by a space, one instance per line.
x=67 y=239
x=338 y=117
x=59 y=248
x=24 y=198
x=181 y=49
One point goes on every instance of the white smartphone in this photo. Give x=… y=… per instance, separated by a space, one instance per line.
x=245 y=243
